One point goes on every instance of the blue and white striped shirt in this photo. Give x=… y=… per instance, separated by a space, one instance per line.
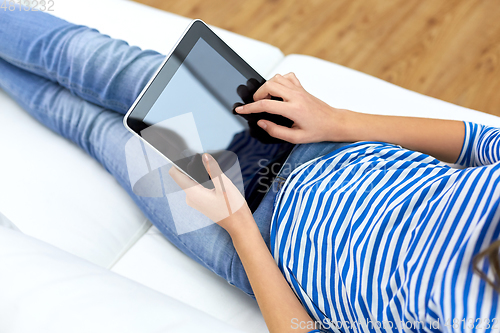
x=377 y=238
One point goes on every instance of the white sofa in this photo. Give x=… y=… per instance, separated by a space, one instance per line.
x=86 y=259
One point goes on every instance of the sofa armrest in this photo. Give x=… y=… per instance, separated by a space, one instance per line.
x=44 y=289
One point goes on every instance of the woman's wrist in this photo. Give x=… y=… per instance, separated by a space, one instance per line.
x=343 y=126
x=245 y=235
x=239 y=223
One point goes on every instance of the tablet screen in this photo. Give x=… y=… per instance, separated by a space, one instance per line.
x=197 y=103
x=188 y=108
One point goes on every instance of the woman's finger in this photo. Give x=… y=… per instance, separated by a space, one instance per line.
x=265 y=105
x=284 y=81
x=181 y=179
x=293 y=78
x=218 y=178
x=278 y=131
x=214 y=171
x=272 y=88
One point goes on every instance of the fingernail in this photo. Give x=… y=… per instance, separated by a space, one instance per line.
x=205 y=157
x=262 y=124
x=239 y=109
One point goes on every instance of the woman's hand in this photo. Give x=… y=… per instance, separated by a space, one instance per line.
x=314 y=120
x=224 y=204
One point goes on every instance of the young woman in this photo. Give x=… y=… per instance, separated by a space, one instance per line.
x=364 y=236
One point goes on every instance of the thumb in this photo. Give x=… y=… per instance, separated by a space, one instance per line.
x=214 y=171
x=181 y=179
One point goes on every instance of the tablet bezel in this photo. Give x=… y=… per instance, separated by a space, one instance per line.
x=196 y=30
x=156 y=85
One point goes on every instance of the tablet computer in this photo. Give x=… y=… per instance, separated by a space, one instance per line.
x=187 y=109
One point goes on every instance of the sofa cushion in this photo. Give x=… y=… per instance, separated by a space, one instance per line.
x=156 y=263
x=46 y=290
x=6 y=223
x=343 y=87
x=50 y=189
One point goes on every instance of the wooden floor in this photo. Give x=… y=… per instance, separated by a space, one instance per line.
x=449 y=49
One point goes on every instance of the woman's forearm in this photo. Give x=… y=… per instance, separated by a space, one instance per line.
x=316 y=121
x=279 y=305
x=442 y=139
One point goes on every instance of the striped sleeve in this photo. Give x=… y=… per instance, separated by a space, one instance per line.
x=481 y=145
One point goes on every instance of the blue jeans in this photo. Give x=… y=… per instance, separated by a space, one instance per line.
x=79 y=83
